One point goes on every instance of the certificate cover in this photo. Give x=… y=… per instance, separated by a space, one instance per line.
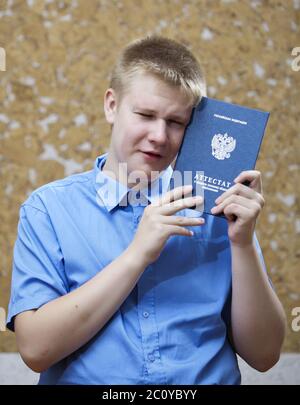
x=221 y=140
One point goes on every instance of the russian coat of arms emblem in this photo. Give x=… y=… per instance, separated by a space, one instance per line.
x=222 y=146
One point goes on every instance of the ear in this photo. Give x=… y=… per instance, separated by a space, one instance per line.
x=110 y=105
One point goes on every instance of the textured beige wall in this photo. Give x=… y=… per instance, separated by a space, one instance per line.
x=59 y=54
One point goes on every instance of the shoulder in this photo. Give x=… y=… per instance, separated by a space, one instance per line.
x=58 y=190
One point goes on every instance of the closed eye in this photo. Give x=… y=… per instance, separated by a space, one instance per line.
x=176 y=123
x=145 y=115
x=170 y=122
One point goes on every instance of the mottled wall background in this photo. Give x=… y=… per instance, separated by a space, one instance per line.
x=58 y=57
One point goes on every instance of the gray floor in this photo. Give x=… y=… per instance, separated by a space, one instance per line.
x=287 y=371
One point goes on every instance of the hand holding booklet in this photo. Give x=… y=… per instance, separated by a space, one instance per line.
x=221 y=141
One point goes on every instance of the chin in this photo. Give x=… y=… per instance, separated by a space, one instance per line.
x=154 y=168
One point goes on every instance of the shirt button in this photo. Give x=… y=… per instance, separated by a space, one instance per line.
x=151 y=358
x=145 y=314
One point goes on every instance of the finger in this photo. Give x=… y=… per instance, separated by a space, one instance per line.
x=175 y=206
x=236 y=199
x=172 y=195
x=182 y=221
x=234 y=211
x=253 y=177
x=240 y=189
x=178 y=230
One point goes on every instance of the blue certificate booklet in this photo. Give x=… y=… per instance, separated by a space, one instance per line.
x=220 y=141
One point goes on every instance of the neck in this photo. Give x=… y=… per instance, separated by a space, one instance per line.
x=119 y=172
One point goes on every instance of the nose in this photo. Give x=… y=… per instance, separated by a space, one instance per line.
x=158 y=132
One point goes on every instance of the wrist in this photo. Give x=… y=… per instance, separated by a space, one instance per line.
x=134 y=259
x=245 y=245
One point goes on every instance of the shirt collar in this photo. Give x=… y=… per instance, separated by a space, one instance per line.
x=110 y=192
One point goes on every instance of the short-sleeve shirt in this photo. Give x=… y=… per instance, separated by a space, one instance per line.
x=173 y=326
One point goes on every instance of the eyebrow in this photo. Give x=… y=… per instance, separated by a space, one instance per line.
x=149 y=111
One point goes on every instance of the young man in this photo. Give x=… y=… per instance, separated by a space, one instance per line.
x=109 y=290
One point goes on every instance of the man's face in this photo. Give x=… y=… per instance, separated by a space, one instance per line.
x=148 y=125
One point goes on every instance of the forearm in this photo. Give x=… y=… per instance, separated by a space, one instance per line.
x=258 y=319
x=63 y=325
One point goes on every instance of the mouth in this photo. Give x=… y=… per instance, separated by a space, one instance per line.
x=151 y=155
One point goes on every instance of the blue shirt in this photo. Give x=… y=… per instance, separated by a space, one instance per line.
x=171 y=329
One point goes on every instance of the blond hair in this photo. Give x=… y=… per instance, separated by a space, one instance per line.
x=164 y=58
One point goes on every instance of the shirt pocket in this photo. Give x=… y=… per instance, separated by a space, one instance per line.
x=210 y=240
